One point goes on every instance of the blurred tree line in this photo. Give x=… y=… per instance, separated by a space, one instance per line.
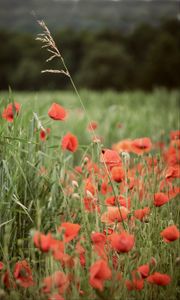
x=146 y=58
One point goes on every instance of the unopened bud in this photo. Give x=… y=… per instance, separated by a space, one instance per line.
x=85 y=161
x=153 y=261
x=75 y=196
x=75 y=184
x=178 y=260
x=125 y=158
x=89 y=194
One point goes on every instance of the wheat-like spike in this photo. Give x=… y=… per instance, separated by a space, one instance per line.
x=50 y=58
x=55 y=71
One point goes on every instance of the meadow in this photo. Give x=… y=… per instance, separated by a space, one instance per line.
x=94 y=214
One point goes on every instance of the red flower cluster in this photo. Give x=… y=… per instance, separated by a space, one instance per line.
x=11 y=111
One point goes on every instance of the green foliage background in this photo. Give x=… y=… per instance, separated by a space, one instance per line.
x=146 y=58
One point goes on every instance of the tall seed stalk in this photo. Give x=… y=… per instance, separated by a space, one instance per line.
x=49 y=43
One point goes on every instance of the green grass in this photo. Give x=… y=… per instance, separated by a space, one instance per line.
x=140 y=114
x=31 y=200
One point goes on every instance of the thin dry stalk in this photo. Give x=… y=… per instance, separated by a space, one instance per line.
x=49 y=43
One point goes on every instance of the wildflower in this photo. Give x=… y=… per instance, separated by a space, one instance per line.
x=78 y=169
x=160 y=199
x=57 y=112
x=170 y=234
x=90 y=203
x=10 y=111
x=105 y=188
x=122 y=242
x=114 y=214
x=99 y=272
x=58 y=280
x=70 y=231
x=89 y=188
x=58 y=250
x=120 y=199
x=175 y=135
x=140 y=214
x=123 y=201
x=144 y=270
x=173 y=172
x=56 y=297
x=43 y=134
x=69 y=142
x=124 y=145
x=6 y=280
x=110 y=157
x=99 y=241
x=81 y=252
x=141 y=145
x=23 y=274
x=92 y=125
x=1 y=265
x=159 y=279
x=137 y=283
x=42 y=241
x=117 y=174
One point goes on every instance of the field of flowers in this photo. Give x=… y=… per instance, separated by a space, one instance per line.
x=89 y=196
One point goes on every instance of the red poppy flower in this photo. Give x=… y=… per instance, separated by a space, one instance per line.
x=135 y=284
x=124 y=202
x=120 y=199
x=70 y=231
x=10 y=111
x=98 y=238
x=173 y=172
x=144 y=270
x=160 y=199
x=1 y=265
x=90 y=187
x=57 y=112
x=58 y=250
x=170 y=234
x=69 y=142
x=175 y=135
x=61 y=281
x=99 y=241
x=92 y=125
x=23 y=274
x=58 y=280
x=99 y=272
x=42 y=241
x=6 y=280
x=159 y=279
x=114 y=214
x=105 y=188
x=117 y=174
x=122 y=146
x=140 y=214
x=55 y=297
x=110 y=157
x=78 y=169
x=122 y=242
x=81 y=251
x=141 y=145
x=43 y=134
x=172 y=193
x=90 y=204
